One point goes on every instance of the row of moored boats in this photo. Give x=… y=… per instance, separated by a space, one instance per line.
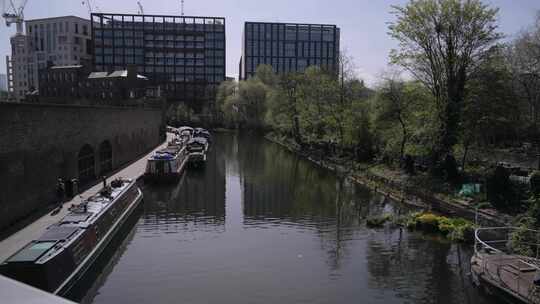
x=189 y=147
x=56 y=259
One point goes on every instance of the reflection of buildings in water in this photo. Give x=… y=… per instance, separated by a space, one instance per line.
x=419 y=269
x=198 y=197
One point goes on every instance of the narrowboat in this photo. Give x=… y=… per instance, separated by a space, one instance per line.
x=197 y=148
x=200 y=132
x=61 y=255
x=186 y=130
x=167 y=164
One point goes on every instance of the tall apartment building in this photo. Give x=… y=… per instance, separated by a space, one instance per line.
x=59 y=40
x=184 y=55
x=288 y=47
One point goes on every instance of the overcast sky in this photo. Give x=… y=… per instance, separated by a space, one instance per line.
x=363 y=23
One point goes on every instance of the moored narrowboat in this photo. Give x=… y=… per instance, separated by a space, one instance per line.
x=197 y=148
x=62 y=254
x=167 y=164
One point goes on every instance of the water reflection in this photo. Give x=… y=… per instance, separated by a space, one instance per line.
x=260 y=225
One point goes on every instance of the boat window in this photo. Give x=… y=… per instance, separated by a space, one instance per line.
x=32 y=252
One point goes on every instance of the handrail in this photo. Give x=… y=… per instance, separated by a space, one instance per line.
x=533 y=262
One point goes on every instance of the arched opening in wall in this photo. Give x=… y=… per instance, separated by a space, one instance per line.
x=105 y=157
x=86 y=164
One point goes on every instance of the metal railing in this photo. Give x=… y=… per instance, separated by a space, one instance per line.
x=507 y=248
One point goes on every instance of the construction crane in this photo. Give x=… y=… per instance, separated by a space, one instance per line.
x=16 y=15
x=91 y=9
x=141 y=10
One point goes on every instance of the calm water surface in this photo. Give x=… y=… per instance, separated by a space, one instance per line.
x=260 y=225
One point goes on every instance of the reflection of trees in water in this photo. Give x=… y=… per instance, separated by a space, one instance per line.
x=198 y=198
x=419 y=270
x=280 y=187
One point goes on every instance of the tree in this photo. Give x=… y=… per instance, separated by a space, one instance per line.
x=266 y=75
x=490 y=113
x=394 y=106
x=524 y=61
x=440 y=44
x=225 y=92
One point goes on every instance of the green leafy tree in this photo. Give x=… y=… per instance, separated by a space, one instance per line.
x=440 y=44
x=490 y=113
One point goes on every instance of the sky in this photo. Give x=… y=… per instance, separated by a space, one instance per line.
x=363 y=23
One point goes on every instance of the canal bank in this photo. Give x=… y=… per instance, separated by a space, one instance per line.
x=15 y=241
x=400 y=191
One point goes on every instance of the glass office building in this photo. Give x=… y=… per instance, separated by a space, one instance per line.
x=288 y=47
x=185 y=56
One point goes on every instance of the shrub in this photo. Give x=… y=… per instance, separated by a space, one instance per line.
x=456 y=229
x=378 y=221
x=535 y=183
x=499 y=188
x=428 y=221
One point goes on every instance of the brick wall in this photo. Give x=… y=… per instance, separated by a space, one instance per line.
x=39 y=143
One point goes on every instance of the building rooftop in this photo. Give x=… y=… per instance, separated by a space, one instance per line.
x=115 y=74
x=97 y=75
x=59 y=17
x=290 y=23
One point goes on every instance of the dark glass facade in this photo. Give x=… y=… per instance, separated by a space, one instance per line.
x=288 y=47
x=185 y=55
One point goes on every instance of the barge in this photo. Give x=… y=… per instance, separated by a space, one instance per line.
x=56 y=260
x=197 y=148
x=167 y=164
x=506 y=266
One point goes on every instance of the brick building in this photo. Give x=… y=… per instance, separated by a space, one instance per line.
x=77 y=84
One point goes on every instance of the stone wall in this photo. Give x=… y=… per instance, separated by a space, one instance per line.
x=39 y=143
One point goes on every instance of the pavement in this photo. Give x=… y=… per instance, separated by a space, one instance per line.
x=17 y=240
x=16 y=292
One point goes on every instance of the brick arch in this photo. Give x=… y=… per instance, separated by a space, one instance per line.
x=105 y=157
x=86 y=163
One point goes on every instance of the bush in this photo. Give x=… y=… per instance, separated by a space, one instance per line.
x=535 y=183
x=378 y=221
x=499 y=188
x=456 y=229
x=428 y=221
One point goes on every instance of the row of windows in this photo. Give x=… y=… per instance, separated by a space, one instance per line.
x=290 y=49
x=158 y=22
x=140 y=34
x=178 y=54
x=290 y=32
x=159 y=44
x=154 y=71
x=58 y=26
x=182 y=61
x=287 y=64
x=160 y=61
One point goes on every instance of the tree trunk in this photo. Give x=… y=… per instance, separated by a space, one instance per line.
x=464 y=160
x=403 y=140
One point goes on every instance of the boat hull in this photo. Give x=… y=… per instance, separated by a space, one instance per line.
x=66 y=285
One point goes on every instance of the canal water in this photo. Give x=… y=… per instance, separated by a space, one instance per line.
x=261 y=225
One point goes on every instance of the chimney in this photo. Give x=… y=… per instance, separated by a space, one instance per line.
x=132 y=73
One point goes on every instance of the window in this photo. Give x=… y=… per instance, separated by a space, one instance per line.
x=290 y=50
x=76 y=28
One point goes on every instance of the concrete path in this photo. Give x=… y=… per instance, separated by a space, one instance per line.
x=16 y=241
